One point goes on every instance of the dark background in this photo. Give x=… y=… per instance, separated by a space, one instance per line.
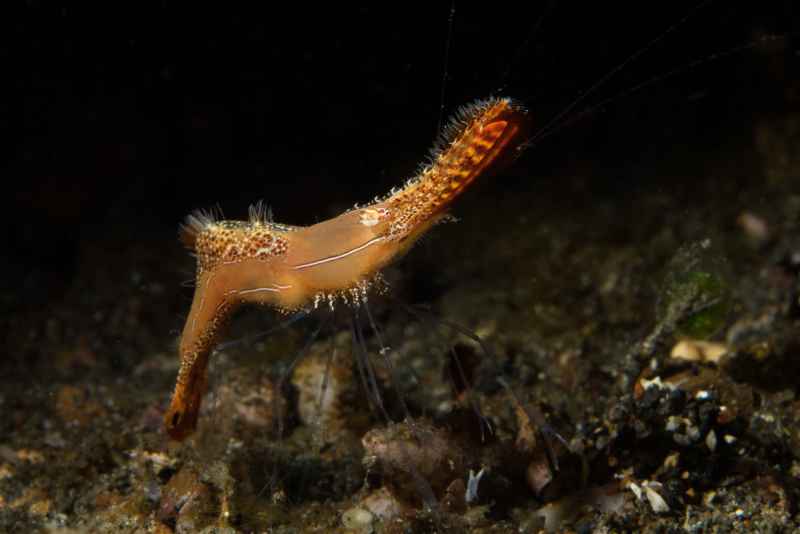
x=120 y=121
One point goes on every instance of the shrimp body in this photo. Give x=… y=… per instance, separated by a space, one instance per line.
x=293 y=268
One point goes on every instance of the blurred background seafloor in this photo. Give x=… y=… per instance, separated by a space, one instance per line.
x=635 y=273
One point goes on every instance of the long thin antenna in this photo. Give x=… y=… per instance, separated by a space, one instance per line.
x=323 y=388
x=384 y=352
x=422 y=486
x=613 y=72
x=260 y=335
x=281 y=384
x=448 y=43
x=298 y=356
x=369 y=368
x=365 y=371
x=525 y=44
x=714 y=56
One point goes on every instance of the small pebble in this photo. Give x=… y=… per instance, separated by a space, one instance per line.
x=711 y=441
x=698 y=351
x=358 y=519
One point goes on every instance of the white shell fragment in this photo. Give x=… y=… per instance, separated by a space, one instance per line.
x=650 y=490
x=636 y=490
x=711 y=441
x=657 y=502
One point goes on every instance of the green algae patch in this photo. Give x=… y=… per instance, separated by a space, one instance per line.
x=712 y=306
x=695 y=300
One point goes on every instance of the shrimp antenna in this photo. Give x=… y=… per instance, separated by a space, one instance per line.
x=248 y=339
x=546 y=129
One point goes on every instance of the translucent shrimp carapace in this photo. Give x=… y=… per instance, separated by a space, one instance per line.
x=293 y=268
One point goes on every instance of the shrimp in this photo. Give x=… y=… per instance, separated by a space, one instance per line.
x=297 y=268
